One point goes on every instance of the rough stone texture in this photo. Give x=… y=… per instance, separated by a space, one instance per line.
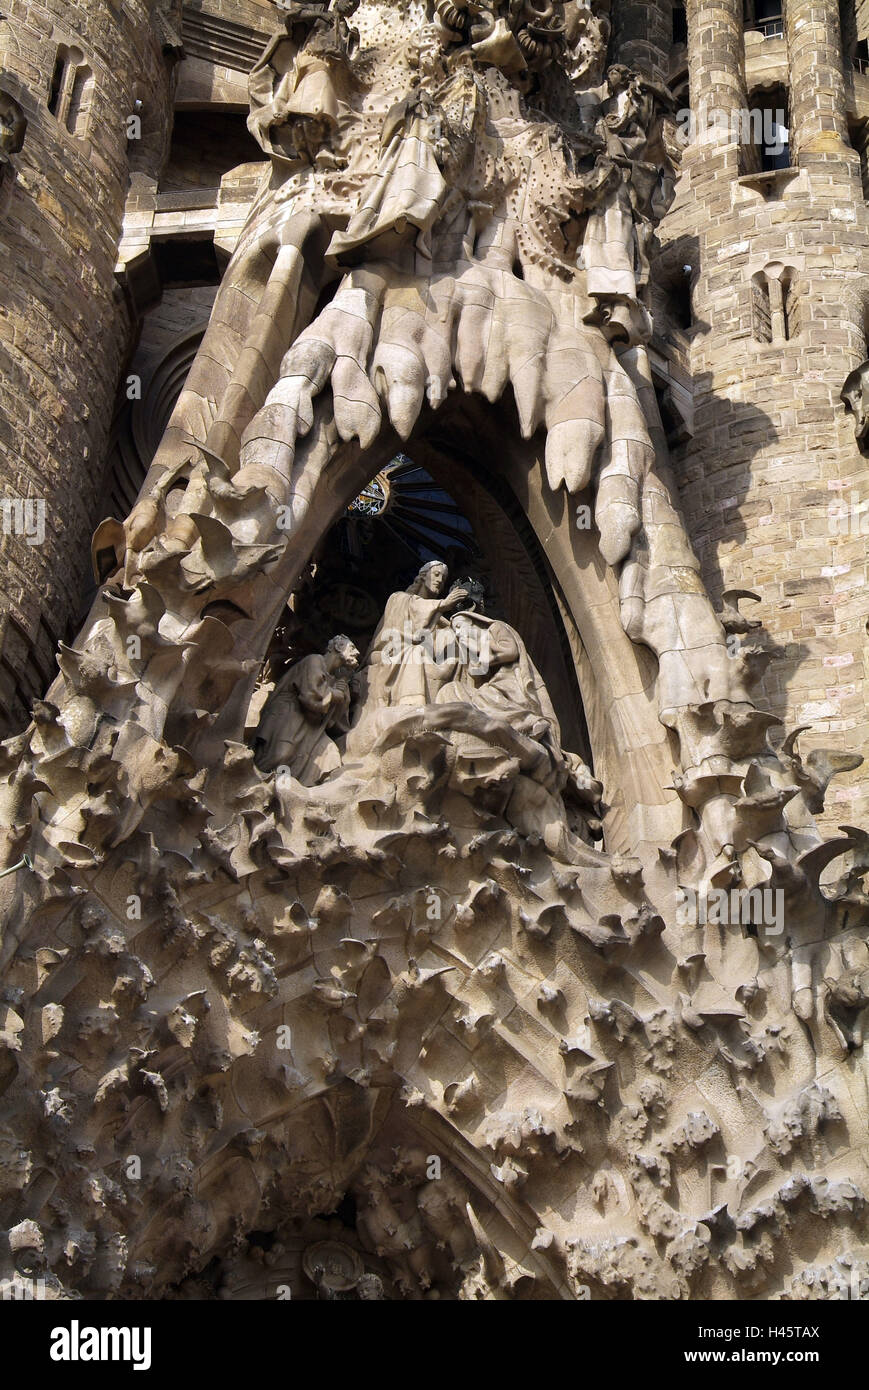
x=399 y=982
x=64 y=329
x=772 y=460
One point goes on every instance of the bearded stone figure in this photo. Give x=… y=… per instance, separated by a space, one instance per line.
x=310 y=699
x=398 y=669
x=426 y=914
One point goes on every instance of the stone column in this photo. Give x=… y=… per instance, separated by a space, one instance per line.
x=716 y=67
x=818 y=123
x=643 y=35
x=777 y=323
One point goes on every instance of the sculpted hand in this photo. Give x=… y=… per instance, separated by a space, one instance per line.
x=454 y=599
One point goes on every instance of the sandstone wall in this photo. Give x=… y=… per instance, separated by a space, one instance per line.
x=64 y=329
x=773 y=456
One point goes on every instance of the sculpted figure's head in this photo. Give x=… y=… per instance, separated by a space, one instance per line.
x=464 y=627
x=618 y=78
x=345 y=650
x=432 y=578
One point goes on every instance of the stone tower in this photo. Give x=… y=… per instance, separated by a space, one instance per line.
x=763 y=283
x=79 y=73
x=417 y=881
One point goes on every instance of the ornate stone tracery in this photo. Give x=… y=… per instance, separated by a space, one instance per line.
x=285 y=971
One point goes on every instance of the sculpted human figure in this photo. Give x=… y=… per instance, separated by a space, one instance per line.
x=294 y=88
x=496 y=674
x=408 y=189
x=311 y=699
x=401 y=665
x=619 y=229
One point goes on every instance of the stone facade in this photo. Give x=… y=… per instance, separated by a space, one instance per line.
x=772 y=462
x=65 y=326
x=421 y=873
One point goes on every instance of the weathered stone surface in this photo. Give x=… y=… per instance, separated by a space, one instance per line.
x=498 y=947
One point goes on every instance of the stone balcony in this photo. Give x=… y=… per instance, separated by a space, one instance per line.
x=195 y=214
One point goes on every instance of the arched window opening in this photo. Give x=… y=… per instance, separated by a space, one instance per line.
x=70 y=94
x=776 y=304
x=404 y=518
x=56 y=83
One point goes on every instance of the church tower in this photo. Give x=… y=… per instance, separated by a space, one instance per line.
x=92 y=82
x=763 y=283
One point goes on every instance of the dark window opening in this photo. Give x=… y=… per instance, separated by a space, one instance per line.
x=346 y=1211
x=680 y=24
x=680 y=308
x=186 y=261
x=858 y=132
x=764 y=16
x=775 y=140
x=861 y=56
x=205 y=146
x=56 y=84
x=765 y=137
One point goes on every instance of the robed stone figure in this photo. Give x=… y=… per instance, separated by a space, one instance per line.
x=310 y=702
